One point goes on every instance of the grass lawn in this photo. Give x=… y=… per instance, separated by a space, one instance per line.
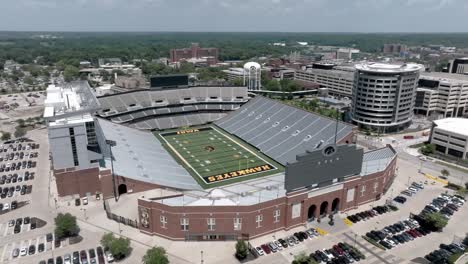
x=214 y=157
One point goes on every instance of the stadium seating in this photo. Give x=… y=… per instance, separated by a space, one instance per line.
x=126 y=102
x=174 y=121
x=281 y=131
x=163 y=109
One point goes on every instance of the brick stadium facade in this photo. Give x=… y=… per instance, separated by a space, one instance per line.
x=194 y=52
x=164 y=220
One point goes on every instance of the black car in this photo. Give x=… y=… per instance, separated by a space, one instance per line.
x=400 y=199
x=57 y=243
x=299 y=236
x=385 y=244
x=76 y=257
x=59 y=260
x=32 y=249
x=49 y=237
x=282 y=241
x=40 y=247
x=50 y=261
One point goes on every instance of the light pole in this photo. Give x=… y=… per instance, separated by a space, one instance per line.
x=112 y=143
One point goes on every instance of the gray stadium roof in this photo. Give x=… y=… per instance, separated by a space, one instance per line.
x=377 y=160
x=139 y=155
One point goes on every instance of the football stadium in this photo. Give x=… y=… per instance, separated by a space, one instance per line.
x=208 y=163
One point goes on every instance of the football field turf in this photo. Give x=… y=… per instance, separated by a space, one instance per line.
x=213 y=156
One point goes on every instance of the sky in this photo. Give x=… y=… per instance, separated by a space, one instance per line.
x=235 y=15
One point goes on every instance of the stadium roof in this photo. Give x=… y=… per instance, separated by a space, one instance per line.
x=454 y=125
x=377 y=160
x=389 y=68
x=282 y=131
x=139 y=155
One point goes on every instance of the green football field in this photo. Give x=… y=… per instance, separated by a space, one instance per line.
x=214 y=157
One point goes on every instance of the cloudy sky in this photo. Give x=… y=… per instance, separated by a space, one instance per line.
x=236 y=15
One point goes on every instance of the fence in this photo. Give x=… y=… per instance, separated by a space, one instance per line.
x=118 y=218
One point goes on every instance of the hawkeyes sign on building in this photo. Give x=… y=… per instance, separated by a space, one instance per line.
x=323 y=167
x=238 y=173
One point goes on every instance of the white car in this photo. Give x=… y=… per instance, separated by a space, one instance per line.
x=23 y=251
x=330 y=256
x=278 y=244
x=260 y=251
x=67 y=259
x=85 y=200
x=393 y=244
x=110 y=258
x=6 y=207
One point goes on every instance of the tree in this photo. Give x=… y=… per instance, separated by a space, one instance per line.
x=6 y=136
x=435 y=221
x=272 y=85
x=28 y=80
x=118 y=247
x=301 y=258
x=20 y=132
x=66 y=226
x=241 y=249
x=155 y=255
x=428 y=149
x=70 y=73
x=445 y=173
x=20 y=122
x=237 y=82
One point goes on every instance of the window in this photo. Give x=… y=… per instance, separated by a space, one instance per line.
x=363 y=190
x=376 y=186
x=259 y=220
x=237 y=224
x=276 y=215
x=71 y=130
x=91 y=134
x=163 y=220
x=211 y=224
x=184 y=224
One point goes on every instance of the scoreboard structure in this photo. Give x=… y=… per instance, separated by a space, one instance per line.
x=169 y=81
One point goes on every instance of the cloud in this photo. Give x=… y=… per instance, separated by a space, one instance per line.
x=235 y=15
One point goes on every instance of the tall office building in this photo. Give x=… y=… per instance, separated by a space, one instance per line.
x=338 y=80
x=73 y=137
x=384 y=95
x=194 y=52
x=394 y=48
x=458 y=66
x=442 y=94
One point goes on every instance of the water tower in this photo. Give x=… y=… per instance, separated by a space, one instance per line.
x=252 y=76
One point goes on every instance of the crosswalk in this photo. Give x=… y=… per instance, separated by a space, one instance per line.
x=6 y=251
x=373 y=254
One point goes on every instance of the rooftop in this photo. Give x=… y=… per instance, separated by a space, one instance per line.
x=389 y=68
x=444 y=76
x=454 y=125
x=69 y=100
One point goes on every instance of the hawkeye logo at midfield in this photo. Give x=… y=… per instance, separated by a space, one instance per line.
x=238 y=173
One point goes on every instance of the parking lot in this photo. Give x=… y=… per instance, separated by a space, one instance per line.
x=17 y=173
